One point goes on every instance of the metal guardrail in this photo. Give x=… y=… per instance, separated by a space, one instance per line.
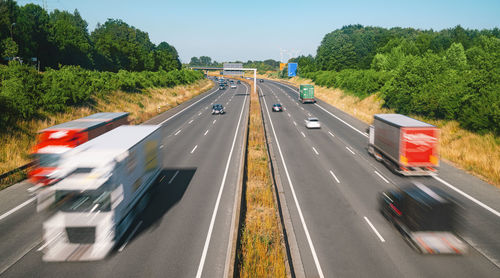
x=11 y=172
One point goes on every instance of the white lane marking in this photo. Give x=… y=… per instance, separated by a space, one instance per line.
x=17 y=208
x=162 y=178
x=467 y=196
x=130 y=236
x=301 y=216
x=331 y=134
x=349 y=150
x=214 y=121
x=190 y=121
x=296 y=103
x=173 y=116
x=360 y=132
x=335 y=177
x=173 y=177
x=177 y=132
x=374 y=230
x=314 y=149
x=303 y=134
x=294 y=123
x=382 y=177
x=302 y=108
x=205 y=133
x=216 y=208
x=206 y=108
x=309 y=114
x=192 y=151
x=199 y=114
x=289 y=115
x=344 y=122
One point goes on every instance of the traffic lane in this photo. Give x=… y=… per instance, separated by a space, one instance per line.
x=121 y=260
x=334 y=227
x=479 y=224
x=360 y=188
x=362 y=193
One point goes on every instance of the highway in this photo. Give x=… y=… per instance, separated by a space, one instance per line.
x=185 y=229
x=330 y=185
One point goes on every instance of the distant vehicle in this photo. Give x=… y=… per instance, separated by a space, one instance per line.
x=312 y=123
x=106 y=185
x=425 y=216
x=238 y=82
x=261 y=80
x=306 y=93
x=217 y=109
x=231 y=81
x=233 y=86
x=277 y=107
x=222 y=87
x=407 y=146
x=55 y=140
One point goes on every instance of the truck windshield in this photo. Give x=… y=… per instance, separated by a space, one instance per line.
x=86 y=201
x=48 y=159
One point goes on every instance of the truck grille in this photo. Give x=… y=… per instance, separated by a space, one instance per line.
x=82 y=235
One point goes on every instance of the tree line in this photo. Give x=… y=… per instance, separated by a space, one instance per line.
x=452 y=74
x=31 y=34
x=261 y=66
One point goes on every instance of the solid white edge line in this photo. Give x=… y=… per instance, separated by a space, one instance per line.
x=344 y=122
x=314 y=149
x=175 y=115
x=130 y=236
x=382 y=177
x=5 y=215
x=216 y=208
x=173 y=177
x=301 y=216
x=467 y=196
x=435 y=177
x=192 y=151
x=335 y=177
x=374 y=230
x=349 y=150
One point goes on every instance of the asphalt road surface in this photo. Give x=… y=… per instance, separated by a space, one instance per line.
x=330 y=185
x=184 y=231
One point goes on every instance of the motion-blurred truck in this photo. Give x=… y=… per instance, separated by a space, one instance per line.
x=54 y=141
x=425 y=216
x=306 y=93
x=407 y=146
x=106 y=185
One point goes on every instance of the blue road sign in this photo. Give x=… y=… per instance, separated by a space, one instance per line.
x=292 y=69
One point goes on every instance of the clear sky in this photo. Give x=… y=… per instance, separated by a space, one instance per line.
x=257 y=30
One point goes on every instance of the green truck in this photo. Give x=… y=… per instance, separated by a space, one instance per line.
x=306 y=93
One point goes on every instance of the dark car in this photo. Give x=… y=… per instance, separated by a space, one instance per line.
x=222 y=87
x=239 y=82
x=217 y=109
x=277 y=107
x=261 y=80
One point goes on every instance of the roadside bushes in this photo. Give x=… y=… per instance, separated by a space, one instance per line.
x=24 y=92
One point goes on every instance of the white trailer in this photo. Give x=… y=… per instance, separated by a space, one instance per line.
x=106 y=184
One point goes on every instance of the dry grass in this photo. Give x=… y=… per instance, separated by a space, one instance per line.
x=17 y=144
x=261 y=252
x=474 y=153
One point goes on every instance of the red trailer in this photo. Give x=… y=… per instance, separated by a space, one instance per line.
x=406 y=145
x=55 y=140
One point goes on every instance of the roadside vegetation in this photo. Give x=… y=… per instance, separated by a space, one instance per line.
x=261 y=249
x=18 y=139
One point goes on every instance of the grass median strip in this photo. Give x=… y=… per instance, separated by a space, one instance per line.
x=261 y=249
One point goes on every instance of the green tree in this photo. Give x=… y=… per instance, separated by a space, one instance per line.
x=10 y=48
x=33 y=26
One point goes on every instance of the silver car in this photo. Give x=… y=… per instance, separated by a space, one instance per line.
x=312 y=123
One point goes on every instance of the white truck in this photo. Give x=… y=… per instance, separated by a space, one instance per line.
x=106 y=184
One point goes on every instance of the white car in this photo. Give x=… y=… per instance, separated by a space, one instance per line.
x=233 y=86
x=312 y=123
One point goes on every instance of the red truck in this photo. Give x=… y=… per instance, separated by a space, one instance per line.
x=55 y=140
x=408 y=146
